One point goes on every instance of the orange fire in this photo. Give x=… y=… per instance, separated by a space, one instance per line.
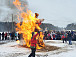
x=18 y=41
x=28 y=25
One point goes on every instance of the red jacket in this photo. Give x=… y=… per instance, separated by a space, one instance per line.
x=63 y=36
x=54 y=36
x=49 y=34
x=39 y=23
x=33 y=41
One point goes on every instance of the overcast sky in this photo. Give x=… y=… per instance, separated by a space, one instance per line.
x=57 y=12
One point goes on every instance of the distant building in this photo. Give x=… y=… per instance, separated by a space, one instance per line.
x=7 y=27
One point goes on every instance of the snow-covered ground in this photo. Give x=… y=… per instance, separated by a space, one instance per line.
x=12 y=49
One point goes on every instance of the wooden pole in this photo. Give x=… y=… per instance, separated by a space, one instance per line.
x=12 y=22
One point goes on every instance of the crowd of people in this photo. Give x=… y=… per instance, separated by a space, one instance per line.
x=60 y=35
x=9 y=36
x=48 y=35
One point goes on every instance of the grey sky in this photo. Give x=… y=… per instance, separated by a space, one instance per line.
x=58 y=12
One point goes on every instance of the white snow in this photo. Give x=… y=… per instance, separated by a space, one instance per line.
x=12 y=49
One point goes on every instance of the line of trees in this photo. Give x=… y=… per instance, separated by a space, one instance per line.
x=71 y=26
x=49 y=26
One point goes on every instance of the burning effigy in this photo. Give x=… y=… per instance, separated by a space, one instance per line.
x=28 y=23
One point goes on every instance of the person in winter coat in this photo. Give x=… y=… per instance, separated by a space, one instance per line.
x=12 y=36
x=53 y=35
x=3 y=36
x=58 y=36
x=19 y=36
x=65 y=34
x=45 y=35
x=70 y=38
x=15 y=36
x=6 y=36
x=63 y=38
x=33 y=44
x=75 y=36
x=0 y=36
x=49 y=37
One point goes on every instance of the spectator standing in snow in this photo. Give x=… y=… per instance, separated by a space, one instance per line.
x=63 y=38
x=53 y=35
x=58 y=36
x=45 y=35
x=19 y=36
x=49 y=37
x=6 y=36
x=72 y=33
x=75 y=36
x=70 y=38
x=65 y=35
x=12 y=36
x=15 y=36
x=3 y=36
x=0 y=36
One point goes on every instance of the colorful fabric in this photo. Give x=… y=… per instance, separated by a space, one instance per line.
x=33 y=41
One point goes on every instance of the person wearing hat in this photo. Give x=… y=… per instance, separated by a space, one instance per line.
x=33 y=44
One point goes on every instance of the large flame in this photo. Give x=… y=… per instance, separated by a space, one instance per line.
x=18 y=41
x=28 y=25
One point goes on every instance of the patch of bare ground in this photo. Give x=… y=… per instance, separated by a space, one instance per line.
x=2 y=43
x=44 y=49
x=48 y=48
x=50 y=42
